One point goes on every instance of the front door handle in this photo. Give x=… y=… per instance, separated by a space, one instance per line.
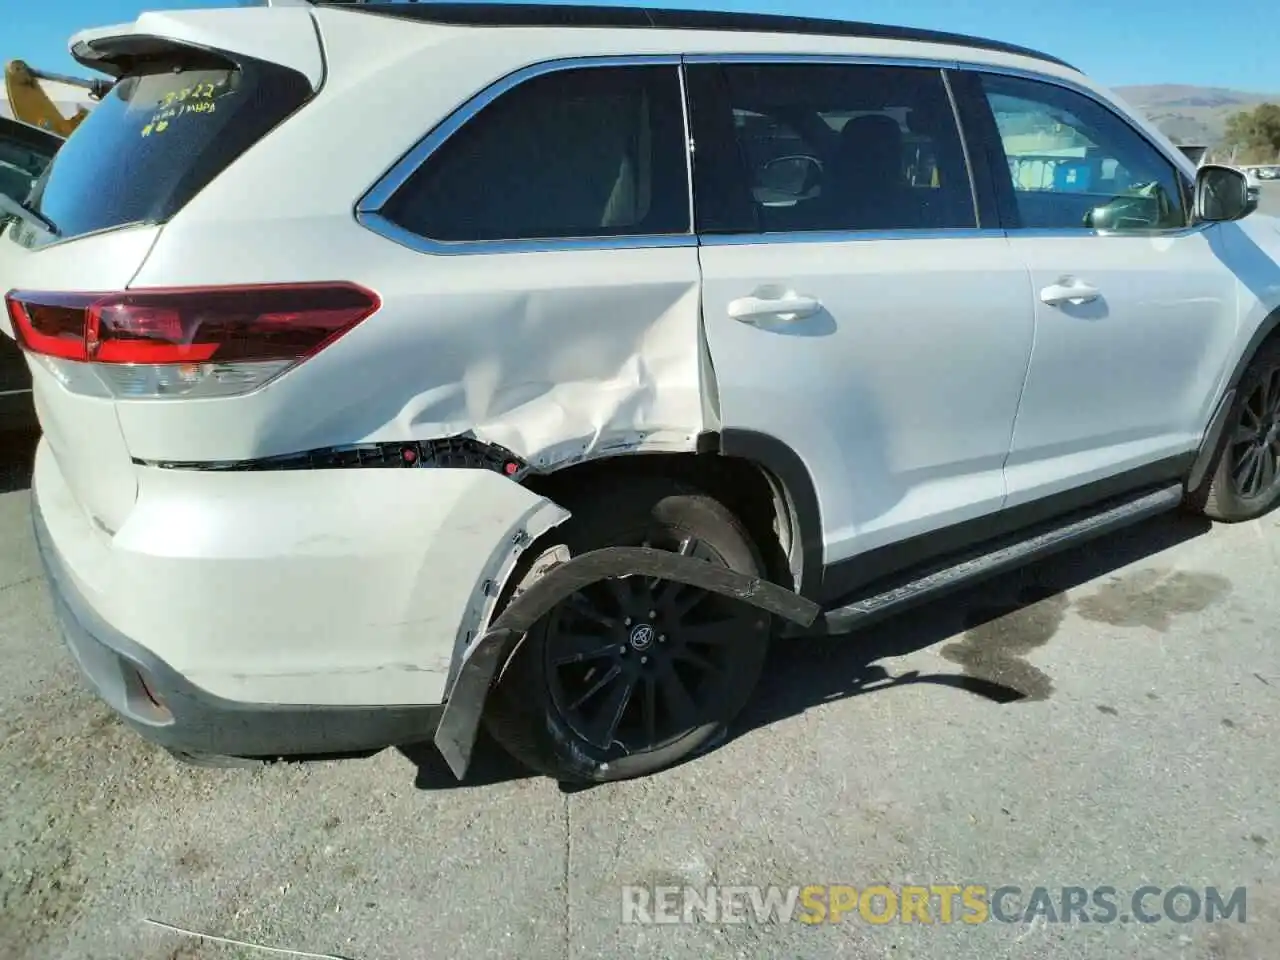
x=786 y=307
x=1069 y=290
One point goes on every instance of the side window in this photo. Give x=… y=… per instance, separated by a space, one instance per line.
x=1073 y=164
x=592 y=152
x=822 y=147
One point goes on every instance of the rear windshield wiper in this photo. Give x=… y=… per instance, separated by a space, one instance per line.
x=10 y=207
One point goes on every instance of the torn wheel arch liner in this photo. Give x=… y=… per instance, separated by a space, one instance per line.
x=455 y=736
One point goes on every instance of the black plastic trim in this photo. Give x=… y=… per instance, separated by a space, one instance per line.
x=790 y=471
x=199 y=722
x=116 y=56
x=653 y=18
x=981 y=139
x=1210 y=442
x=455 y=736
x=445 y=453
x=883 y=568
x=1027 y=546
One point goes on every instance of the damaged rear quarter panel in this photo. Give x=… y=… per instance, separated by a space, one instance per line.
x=557 y=356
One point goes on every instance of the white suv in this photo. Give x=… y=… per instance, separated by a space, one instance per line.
x=401 y=365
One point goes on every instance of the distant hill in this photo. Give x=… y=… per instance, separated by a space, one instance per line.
x=1192 y=114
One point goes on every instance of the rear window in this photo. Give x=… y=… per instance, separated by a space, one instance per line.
x=162 y=134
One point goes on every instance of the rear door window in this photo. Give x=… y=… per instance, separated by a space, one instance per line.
x=572 y=154
x=159 y=137
x=802 y=147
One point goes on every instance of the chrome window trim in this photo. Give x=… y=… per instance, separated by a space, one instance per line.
x=689 y=148
x=832 y=59
x=368 y=211
x=1065 y=233
x=847 y=236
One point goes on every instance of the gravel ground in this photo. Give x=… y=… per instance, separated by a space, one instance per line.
x=1138 y=754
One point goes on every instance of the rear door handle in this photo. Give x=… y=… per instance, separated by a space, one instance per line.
x=1069 y=290
x=788 y=307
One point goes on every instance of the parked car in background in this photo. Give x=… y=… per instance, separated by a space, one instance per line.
x=25 y=153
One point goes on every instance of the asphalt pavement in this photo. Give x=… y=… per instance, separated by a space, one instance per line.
x=1104 y=719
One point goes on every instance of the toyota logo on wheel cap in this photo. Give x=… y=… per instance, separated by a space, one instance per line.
x=641 y=636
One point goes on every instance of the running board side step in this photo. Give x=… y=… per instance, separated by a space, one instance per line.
x=997 y=559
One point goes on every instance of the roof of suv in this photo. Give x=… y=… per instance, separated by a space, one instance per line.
x=585 y=15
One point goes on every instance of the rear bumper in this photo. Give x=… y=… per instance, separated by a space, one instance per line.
x=282 y=612
x=130 y=678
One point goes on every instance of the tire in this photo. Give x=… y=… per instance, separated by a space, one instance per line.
x=1237 y=491
x=542 y=709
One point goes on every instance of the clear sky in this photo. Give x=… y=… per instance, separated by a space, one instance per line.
x=1228 y=44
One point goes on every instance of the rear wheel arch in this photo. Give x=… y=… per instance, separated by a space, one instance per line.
x=756 y=476
x=1268 y=330
x=1209 y=455
x=1236 y=484
x=564 y=730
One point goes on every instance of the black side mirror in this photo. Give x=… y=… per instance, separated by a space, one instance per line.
x=1223 y=193
x=796 y=175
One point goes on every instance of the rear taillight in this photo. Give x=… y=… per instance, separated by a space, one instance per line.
x=207 y=342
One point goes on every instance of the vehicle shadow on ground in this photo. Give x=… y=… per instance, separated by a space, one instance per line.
x=17 y=453
x=490 y=765
x=992 y=627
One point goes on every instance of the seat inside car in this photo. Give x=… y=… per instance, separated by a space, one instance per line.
x=866 y=187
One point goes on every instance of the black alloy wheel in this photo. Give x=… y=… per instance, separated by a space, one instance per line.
x=637 y=662
x=1244 y=480
x=1254 y=451
x=631 y=675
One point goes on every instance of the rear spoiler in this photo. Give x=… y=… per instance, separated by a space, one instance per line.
x=276 y=31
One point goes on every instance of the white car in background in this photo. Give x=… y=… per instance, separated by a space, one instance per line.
x=535 y=396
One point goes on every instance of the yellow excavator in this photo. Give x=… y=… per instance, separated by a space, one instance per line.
x=31 y=104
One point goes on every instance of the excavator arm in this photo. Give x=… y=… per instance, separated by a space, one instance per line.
x=31 y=104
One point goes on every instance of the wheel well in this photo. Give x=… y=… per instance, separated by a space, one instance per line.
x=753 y=494
x=1268 y=332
